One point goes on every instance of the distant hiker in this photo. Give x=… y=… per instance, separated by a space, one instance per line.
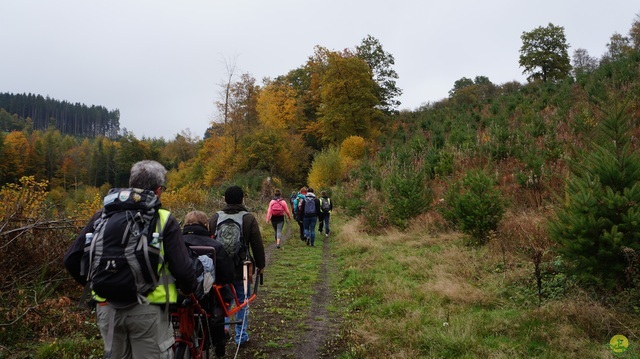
x=325 y=213
x=278 y=208
x=133 y=325
x=310 y=210
x=235 y=212
x=292 y=199
x=297 y=204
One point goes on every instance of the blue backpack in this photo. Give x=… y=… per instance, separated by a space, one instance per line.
x=309 y=205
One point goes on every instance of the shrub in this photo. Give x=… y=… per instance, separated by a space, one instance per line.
x=474 y=205
x=327 y=169
x=406 y=194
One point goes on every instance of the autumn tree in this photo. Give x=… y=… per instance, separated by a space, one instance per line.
x=470 y=91
x=277 y=107
x=634 y=33
x=380 y=62
x=181 y=149
x=349 y=101
x=617 y=47
x=583 y=63
x=14 y=150
x=544 y=55
x=239 y=108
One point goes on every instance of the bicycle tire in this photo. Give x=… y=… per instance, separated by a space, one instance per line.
x=182 y=352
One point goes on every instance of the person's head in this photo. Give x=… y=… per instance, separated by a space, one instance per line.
x=323 y=193
x=303 y=190
x=309 y=190
x=277 y=192
x=196 y=217
x=149 y=175
x=233 y=195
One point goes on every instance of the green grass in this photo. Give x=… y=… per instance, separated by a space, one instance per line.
x=418 y=296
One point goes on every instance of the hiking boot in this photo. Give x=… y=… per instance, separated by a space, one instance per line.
x=278 y=246
x=327 y=235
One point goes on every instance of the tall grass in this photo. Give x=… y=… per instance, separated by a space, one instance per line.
x=423 y=293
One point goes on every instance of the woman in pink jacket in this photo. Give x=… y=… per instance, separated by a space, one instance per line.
x=278 y=208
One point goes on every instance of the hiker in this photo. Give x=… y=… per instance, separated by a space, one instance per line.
x=325 y=213
x=251 y=239
x=297 y=204
x=196 y=233
x=278 y=208
x=310 y=210
x=141 y=327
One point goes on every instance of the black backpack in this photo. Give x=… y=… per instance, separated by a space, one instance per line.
x=325 y=205
x=122 y=257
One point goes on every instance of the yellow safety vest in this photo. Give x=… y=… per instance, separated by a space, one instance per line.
x=166 y=280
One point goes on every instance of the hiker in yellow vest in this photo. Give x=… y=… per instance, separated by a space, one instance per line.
x=140 y=328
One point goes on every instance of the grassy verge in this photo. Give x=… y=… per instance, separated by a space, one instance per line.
x=418 y=294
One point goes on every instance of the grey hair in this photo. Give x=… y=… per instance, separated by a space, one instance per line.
x=147 y=174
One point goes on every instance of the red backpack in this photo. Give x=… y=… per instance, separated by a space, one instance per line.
x=277 y=209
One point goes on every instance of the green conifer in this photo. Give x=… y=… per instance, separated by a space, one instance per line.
x=600 y=219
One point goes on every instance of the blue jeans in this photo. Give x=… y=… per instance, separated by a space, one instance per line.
x=243 y=314
x=324 y=222
x=310 y=228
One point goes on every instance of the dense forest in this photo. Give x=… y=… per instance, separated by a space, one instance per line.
x=70 y=119
x=564 y=146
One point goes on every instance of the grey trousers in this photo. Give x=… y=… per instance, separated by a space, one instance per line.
x=142 y=331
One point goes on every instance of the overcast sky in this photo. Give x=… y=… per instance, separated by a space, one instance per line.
x=161 y=62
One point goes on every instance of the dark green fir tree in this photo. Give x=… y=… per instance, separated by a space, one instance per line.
x=598 y=226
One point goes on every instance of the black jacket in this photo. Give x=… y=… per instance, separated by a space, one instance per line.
x=250 y=233
x=305 y=212
x=198 y=235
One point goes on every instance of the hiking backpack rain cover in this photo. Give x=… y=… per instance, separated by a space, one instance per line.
x=229 y=233
x=277 y=209
x=123 y=257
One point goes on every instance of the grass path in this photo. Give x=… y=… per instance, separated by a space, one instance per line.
x=292 y=317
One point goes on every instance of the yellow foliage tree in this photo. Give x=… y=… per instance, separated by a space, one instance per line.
x=348 y=99
x=15 y=148
x=353 y=147
x=352 y=151
x=217 y=158
x=278 y=107
x=326 y=169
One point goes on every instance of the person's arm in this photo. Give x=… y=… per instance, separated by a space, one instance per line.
x=286 y=209
x=213 y=222
x=178 y=258
x=255 y=242
x=269 y=211
x=73 y=256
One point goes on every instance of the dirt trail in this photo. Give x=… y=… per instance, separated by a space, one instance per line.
x=314 y=339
